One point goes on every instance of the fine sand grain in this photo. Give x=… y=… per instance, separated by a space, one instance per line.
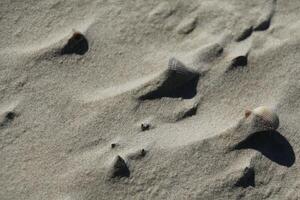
x=147 y=99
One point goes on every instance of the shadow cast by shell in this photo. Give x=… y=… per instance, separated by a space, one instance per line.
x=77 y=44
x=177 y=81
x=272 y=145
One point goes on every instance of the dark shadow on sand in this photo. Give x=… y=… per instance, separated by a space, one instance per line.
x=77 y=44
x=272 y=145
x=177 y=87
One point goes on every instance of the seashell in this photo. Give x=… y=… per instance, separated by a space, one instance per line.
x=264 y=117
x=177 y=67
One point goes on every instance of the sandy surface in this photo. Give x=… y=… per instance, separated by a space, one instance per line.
x=146 y=99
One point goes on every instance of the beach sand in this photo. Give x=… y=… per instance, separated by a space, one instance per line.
x=146 y=99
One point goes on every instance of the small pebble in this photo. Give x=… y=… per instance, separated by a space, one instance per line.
x=143 y=152
x=145 y=126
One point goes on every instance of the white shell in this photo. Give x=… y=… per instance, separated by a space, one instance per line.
x=268 y=116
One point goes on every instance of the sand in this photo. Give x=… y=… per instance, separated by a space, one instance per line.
x=146 y=99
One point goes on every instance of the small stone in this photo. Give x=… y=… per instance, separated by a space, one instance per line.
x=143 y=153
x=145 y=126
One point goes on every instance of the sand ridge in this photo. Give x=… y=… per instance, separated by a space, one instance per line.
x=146 y=99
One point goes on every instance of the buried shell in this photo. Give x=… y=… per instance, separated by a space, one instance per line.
x=264 y=116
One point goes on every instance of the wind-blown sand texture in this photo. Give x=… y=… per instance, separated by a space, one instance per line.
x=146 y=99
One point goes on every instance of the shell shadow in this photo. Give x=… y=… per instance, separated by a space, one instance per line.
x=188 y=90
x=177 y=81
x=77 y=44
x=272 y=145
